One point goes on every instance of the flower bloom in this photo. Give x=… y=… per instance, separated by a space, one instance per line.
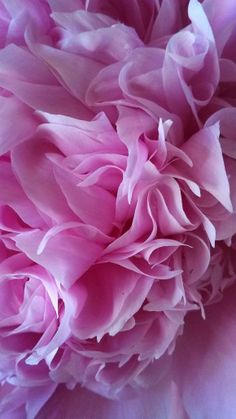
x=117 y=209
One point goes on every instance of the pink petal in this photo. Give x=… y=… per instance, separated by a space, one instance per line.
x=222 y=21
x=13 y=196
x=124 y=292
x=11 y=108
x=66 y=256
x=63 y=64
x=31 y=81
x=89 y=405
x=83 y=201
x=206 y=143
x=96 y=36
x=35 y=173
x=66 y=6
x=205 y=362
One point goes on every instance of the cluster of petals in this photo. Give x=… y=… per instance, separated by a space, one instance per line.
x=117 y=207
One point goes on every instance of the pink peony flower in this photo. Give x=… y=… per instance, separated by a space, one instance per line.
x=117 y=209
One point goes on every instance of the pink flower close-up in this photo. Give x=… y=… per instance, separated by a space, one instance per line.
x=118 y=209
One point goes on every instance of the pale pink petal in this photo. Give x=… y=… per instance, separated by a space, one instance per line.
x=63 y=65
x=205 y=362
x=138 y=15
x=61 y=249
x=117 y=209
x=23 y=12
x=67 y=6
x=14 y=197
x=91 y=406
x=96 y=36
x=83 y=201
x=38 y=181
x=31 y=81
x=206 y=143
x=221 y=19
x=23 y=117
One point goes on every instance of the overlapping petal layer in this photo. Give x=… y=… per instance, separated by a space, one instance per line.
x=117 y=208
